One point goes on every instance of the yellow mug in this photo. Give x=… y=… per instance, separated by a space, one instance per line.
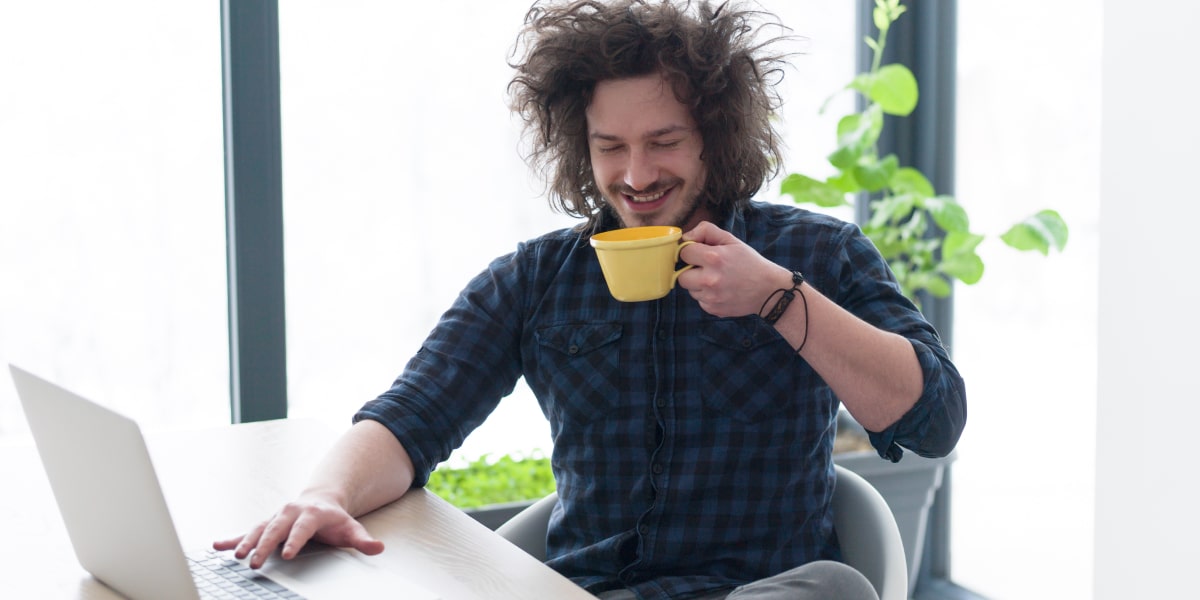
x=639 y=262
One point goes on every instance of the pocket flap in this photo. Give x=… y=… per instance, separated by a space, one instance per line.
x=576 y=339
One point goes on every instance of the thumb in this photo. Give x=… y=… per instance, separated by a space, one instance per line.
x=361 y=540
x=357 y=537
x=370 y=546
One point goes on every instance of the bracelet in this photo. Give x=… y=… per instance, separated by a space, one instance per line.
x=782 y=304
x=786 y=299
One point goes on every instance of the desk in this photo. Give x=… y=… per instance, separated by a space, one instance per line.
x=219 y=482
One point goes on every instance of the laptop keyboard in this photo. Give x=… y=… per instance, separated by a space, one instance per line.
x=220 y=577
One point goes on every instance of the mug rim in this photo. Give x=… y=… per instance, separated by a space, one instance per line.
x=668 y=234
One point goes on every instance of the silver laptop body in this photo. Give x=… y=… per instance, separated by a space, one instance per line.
x=117 y=518
x=107 y=492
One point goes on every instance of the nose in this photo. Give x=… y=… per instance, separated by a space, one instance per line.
x=641 y=172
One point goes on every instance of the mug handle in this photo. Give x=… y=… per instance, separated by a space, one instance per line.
x=675 y=277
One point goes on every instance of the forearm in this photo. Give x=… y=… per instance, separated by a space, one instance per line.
x=874 y=373
x=366 y=468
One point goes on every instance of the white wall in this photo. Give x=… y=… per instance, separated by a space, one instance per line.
x=1025 y=335
x=1146 y=523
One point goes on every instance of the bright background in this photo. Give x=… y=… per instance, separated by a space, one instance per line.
x=402 y=179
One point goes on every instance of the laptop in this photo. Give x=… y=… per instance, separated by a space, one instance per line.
x=117 y=518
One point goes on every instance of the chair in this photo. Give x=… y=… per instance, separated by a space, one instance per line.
x=865 y=527
x=868 y=534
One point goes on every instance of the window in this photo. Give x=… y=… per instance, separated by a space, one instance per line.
x=112 y=236
x=1025 y=336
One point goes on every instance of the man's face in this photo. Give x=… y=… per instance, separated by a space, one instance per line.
x=645 y=152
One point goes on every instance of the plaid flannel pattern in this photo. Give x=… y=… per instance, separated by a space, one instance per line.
x=691 y=453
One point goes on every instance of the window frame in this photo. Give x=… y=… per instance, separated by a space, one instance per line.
x=254 y=210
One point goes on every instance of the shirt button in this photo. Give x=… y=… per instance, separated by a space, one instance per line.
x=662 y=334
x=660 y=402
x=573 y=349
x=643 y=529
x=657 y=468
x=747 y=342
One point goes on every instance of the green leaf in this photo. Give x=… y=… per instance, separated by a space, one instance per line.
x=849 y=132
x=934 y=283
x=967 y=268
x=844 y=157
x=908 y=180
x=844 y=181
x=938 y=286
x=947 y=213
x=804 y=189
x=873 y=174
x=1039 y=232
x=892 y=87
x=857 y=134
x=891 y=210
x=960 y=242
x=959 y=259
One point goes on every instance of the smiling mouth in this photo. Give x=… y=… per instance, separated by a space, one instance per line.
x=645 y=198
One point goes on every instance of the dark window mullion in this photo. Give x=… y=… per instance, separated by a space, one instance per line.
x=254 y=209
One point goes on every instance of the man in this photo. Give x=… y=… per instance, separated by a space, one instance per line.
x=692 y=434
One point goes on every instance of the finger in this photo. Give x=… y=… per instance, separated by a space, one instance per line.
x=243 y=548
x=690 y=254
x=302 y=530
x=696 y=233
x=272 y=536
x=707 y=233
x=228 y=544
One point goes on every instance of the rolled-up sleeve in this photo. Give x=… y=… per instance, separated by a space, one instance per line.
x=931 y=428
x=468 y=363
x=867 y=288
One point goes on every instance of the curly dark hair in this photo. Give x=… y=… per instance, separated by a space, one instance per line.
x=712 y=57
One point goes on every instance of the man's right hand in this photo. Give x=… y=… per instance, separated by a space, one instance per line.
x=366 y=469
x=307 y=518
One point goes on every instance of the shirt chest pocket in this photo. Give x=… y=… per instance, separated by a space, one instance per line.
x=748 y=370
x=579 y=364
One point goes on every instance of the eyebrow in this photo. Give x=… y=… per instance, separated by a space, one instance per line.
x=647 y=136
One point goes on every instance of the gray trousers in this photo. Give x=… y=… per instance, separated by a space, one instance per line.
x=820 y=580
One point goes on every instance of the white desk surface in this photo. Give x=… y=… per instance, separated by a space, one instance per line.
x=219 y=482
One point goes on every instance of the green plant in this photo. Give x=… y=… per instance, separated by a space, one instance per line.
x=904 y=203
x=486 y=481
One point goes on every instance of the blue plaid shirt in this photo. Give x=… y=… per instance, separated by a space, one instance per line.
x=691 y=452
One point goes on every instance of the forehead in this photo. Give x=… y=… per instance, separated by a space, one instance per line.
x=635 y=106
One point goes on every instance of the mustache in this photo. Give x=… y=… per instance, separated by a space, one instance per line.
x=654 y=188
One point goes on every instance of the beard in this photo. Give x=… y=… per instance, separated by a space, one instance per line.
x=688 y=207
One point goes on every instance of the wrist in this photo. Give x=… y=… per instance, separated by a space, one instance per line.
x=783 y=298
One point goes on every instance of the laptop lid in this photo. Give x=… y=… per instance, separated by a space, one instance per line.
x=115 y=514
x=106 y=490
